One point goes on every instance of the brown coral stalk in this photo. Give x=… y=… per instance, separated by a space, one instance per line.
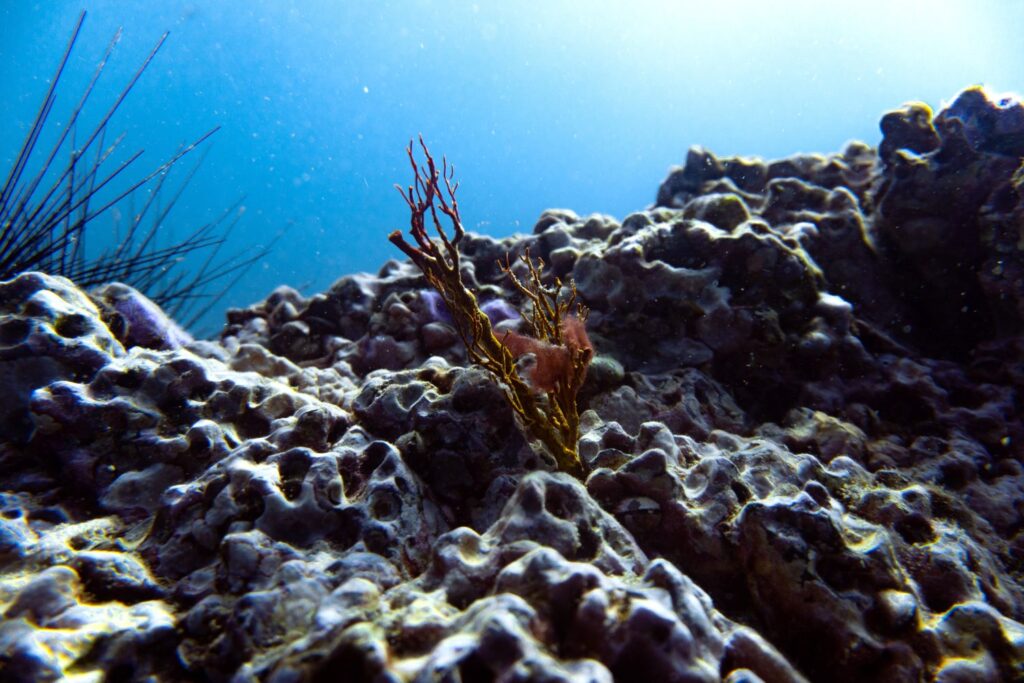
x=551 y=419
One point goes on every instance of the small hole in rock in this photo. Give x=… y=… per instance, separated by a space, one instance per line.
x=71 y=326
x=14 y=331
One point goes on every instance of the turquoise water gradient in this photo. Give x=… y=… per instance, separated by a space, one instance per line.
x=582 y=105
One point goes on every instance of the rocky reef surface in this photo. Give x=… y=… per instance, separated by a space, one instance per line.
x=803 y=430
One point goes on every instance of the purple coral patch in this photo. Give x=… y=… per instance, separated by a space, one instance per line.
x=436 y=308
x=499 y=310
x=146 y=324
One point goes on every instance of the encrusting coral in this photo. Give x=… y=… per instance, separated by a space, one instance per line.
x=560 y=348
x=781 y=485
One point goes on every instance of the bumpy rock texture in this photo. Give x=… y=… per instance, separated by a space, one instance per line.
x=803 y=431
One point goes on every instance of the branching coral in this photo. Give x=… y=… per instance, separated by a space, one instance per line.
x=546 y=401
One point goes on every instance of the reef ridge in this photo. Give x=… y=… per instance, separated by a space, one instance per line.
x=803 y=432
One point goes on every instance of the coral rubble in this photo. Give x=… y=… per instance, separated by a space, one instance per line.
x=802 y=430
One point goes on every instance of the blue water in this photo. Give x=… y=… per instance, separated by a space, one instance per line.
x=582 y=105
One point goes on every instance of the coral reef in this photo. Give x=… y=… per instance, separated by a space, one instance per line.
x=801 y=433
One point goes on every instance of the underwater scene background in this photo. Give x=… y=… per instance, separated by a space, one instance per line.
x=564 y=104
x=705 y=362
